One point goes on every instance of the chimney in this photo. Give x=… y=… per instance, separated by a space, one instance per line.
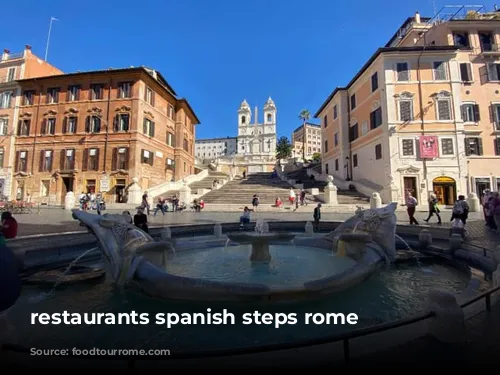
x=28 y=47
x=417 y=17
x=5 y=54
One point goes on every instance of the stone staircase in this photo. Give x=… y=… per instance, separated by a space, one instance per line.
x=240 y=191
x=343 y=196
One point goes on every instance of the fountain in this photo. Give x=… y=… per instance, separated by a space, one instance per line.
x=309 y=229
x=260 y=240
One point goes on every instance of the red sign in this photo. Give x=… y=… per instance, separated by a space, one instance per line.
x=429 y=147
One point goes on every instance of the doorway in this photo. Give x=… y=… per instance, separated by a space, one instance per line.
x=445 y=189
x=67 y=186
x=482 y=183
x=120 y=191
x=410 y=185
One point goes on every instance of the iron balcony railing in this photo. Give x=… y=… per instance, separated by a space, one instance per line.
x=227 y=352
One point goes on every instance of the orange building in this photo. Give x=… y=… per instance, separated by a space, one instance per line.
x=14 y=66
x=97 y=131
x=421 y=115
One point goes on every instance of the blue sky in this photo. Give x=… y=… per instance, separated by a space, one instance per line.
x=216 y=53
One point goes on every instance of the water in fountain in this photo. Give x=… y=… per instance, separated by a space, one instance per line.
x=43 y=296
x=415 y=255
x=259 y=226
x=166 y=234
x=218 y=230
x=309 y=229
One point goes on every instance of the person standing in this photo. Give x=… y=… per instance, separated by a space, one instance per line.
x=145 y=203
x=485 y=202
x=317 y=216
x=255 y=202
x=460 y=210
x=411 y=206
x=9 y=225
x=291 y=197
x=433 y=208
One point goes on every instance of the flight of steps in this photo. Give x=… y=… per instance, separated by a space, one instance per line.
x=240 y=191
x=343 y=196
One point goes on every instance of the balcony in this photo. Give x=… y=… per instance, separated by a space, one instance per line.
x=490 y=50
x=13 y=56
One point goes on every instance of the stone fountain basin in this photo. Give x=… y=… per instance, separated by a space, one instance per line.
x=250 y=238
x=78 y=274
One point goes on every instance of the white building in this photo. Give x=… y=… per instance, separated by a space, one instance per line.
x=213 y=148
x=257 y=139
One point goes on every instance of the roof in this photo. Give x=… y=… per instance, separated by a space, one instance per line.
x=213 y=139
x=372 y=59
x=405 y=27
x=184 y=100
x=307 y=124
x=159 y=77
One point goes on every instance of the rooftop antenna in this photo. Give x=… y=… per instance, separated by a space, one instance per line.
x=52 y=19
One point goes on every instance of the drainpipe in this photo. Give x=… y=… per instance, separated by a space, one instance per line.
x=107 y=125
x=421 y=102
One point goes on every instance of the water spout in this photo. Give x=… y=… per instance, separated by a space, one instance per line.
x=261 y=226
x=309 y=229
x=166 y=234
x=218 y=230
x=427 y=270
x=44 y=296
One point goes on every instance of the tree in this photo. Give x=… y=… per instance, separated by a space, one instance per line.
x=316 y=156
x=304 y=115
x=283 y=148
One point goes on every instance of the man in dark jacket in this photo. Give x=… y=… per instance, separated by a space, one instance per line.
x=317 y=216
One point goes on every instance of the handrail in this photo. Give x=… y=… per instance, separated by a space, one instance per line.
x=345 y=337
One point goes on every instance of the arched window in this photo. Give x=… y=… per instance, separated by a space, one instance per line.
x=243 y=119
x=269 y=117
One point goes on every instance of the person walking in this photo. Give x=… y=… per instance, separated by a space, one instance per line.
x=433 y=208
x=145 y=204
x=485 y=202
x=411 y=205
x=291 y=196
x=317 y=216
x=460 y=210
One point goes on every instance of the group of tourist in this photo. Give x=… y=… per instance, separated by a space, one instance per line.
x=491 y=209
x=92 y=201
x=292 y=199
x=162 y=204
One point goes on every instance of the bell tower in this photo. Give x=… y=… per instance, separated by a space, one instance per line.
x=244 y=114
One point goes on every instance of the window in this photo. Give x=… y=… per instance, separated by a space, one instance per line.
x=170 y=139
x=147 y=157
x=243 y=119
x=326 y=168
x=325 y=121
x=269 y=118
x=402 y=72
x=96 y=91
x=405 y=109
x=486 y=41
x=439 y=70
x=21 y=161
x=122 y=122
x=90 y=159
x=5 y=99
x=470 y=112
x=69 y=124
x=378 y=151
x=73 y=93
x=169 y=164
x=4 y=125
x=149 y=96
x=326 y=146
x=28 y=97
x=364 y=128
x=170 y=113
x=336 y=139
x=185 y=145
x=461 y=40
x=447 y=146
x=408 y=147
x=353 y=133
x=496 y=116
x=11 y=74
x=376 y=118
x=335 y=114
x=148 y=127
x=355 y=160
x=496 y=144
x=353 y=101
x=473 y=146
x=336 y=164
x=24 y=128
x=48 y=126
x=493 y=72
x=374 y=81
x=466 y=72
x=46 y=159
x=2 y=156
x=45 y=188
x=67 y=159
x=53 y=95
x=443 y=106
x=120 y=158
x=185 y=169
x=124 y=90
x=93 y=124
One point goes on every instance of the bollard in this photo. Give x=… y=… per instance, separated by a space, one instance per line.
x=38 y=210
